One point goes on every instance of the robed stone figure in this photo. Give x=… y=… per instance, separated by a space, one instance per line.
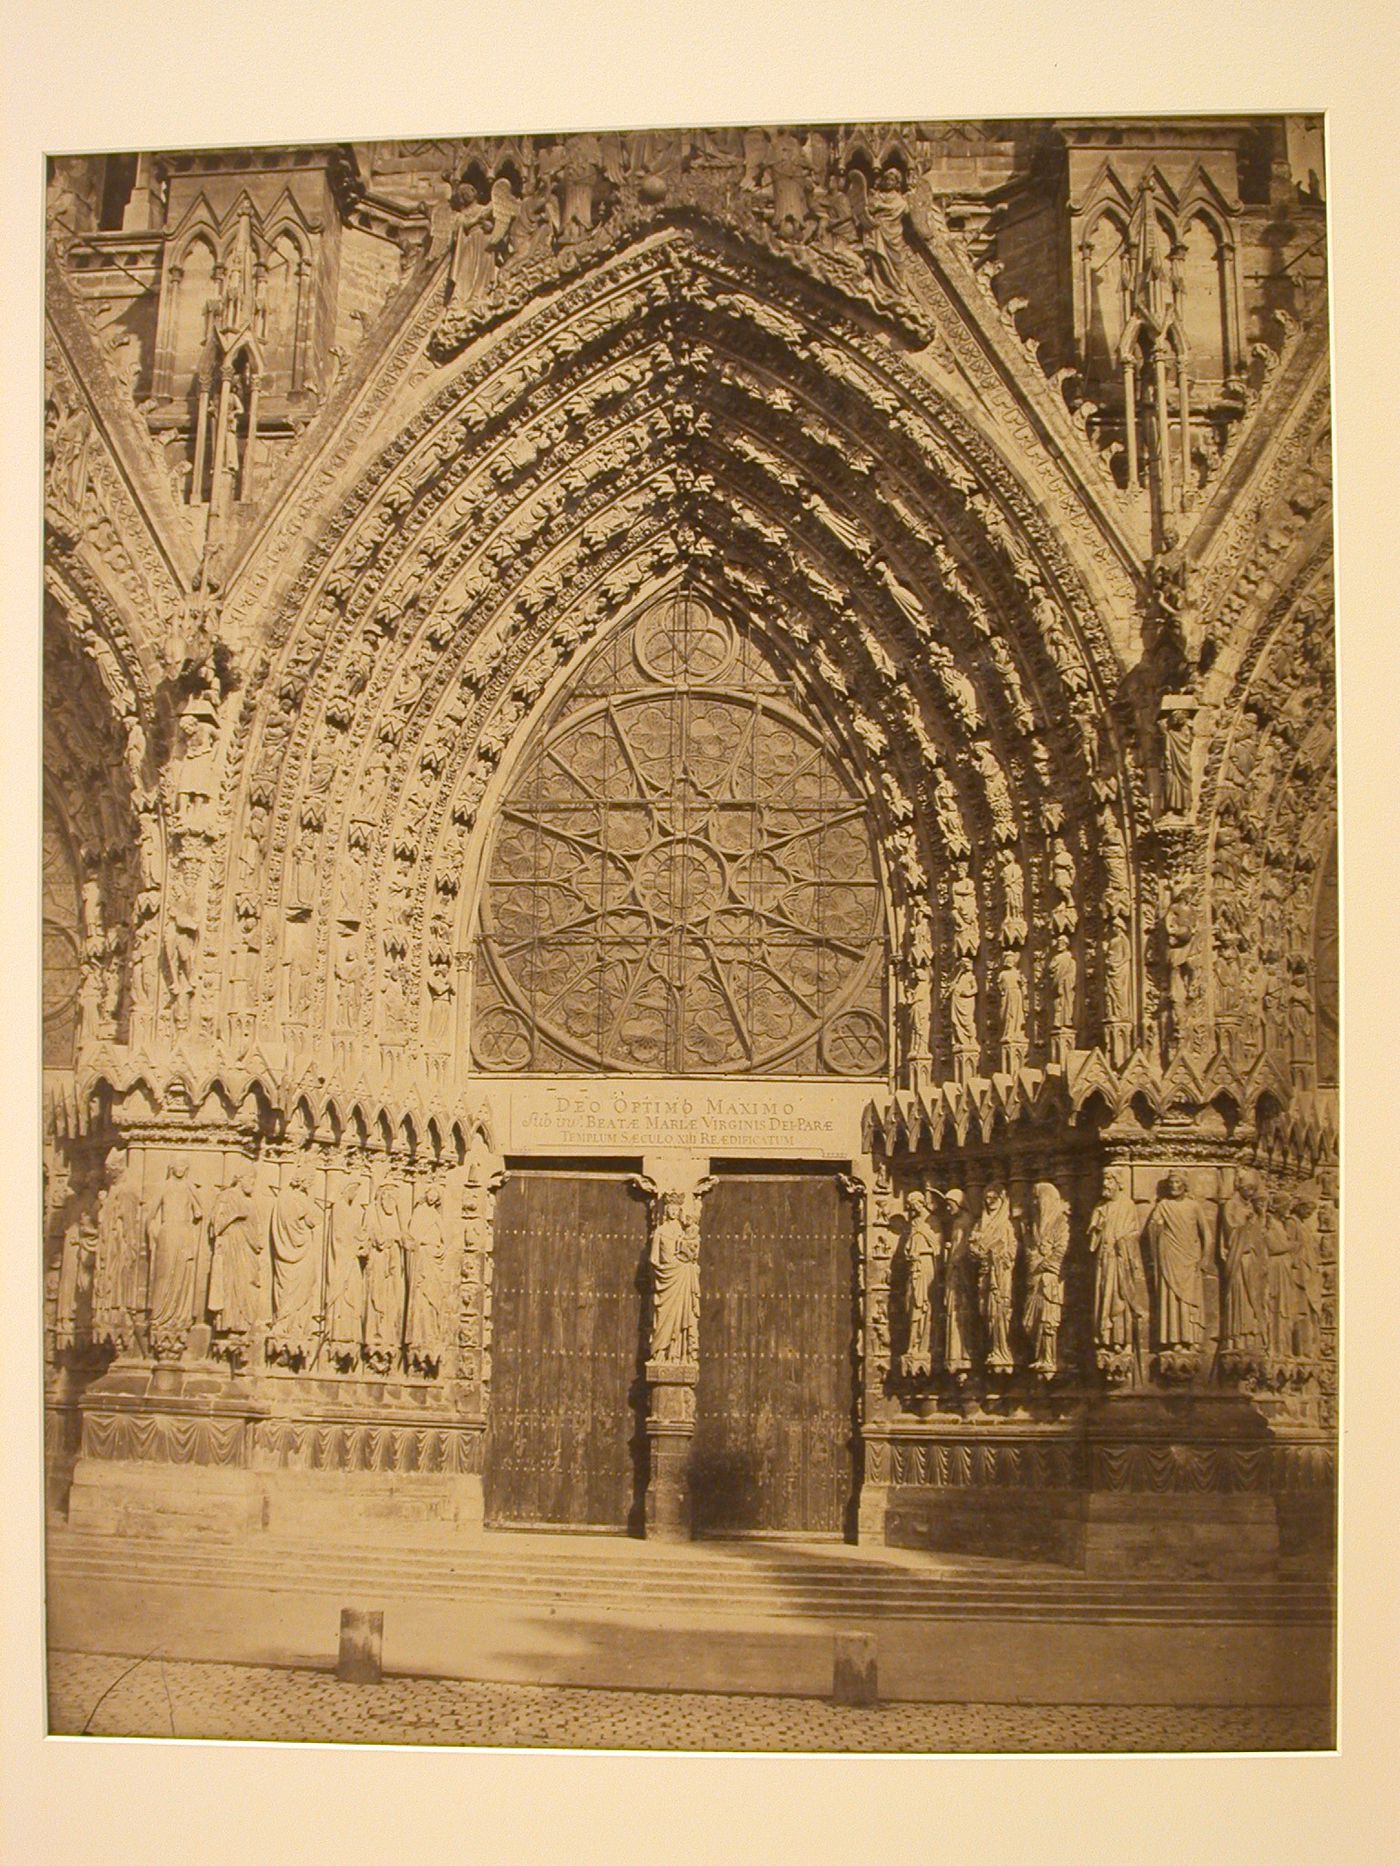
x=1307 y=1275
x=345 y=1270
x=172 y=1232
x=430 y=1305
x=958 y=1323
x=1280 y=1288
x=384 y=1280
x=993 y=1246
x=1120 y=1284
x=1178 y=1241
x=1243 y=1251
x=1045 y=1256
x=119 y=1292
x=920 y=1262
x=296 y=1272
x=240 y=1278
x=675 y=1278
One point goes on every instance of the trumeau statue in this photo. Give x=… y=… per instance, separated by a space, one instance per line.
x=674 y=1255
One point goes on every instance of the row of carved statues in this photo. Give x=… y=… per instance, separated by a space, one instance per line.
x=370 y=1277
x=365 y=1279
x=955 y=1281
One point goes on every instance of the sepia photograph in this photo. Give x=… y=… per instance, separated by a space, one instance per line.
x=690 y=939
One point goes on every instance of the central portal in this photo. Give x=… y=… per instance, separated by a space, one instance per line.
x=681 y=948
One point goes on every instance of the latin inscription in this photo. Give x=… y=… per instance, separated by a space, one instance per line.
x=820 y=1122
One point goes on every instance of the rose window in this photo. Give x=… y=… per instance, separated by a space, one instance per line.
x=683 y=877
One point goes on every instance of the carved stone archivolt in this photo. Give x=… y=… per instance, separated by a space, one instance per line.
x=385 y=966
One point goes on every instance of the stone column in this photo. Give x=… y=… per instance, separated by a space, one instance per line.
x=670 y=1425
x=675 y=1184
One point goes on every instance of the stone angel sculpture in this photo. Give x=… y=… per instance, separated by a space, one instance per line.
x=882 y=211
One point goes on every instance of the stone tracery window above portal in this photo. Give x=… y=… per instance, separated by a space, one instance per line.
x=683 y=879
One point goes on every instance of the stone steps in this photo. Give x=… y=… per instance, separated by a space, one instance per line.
x=689 y=1579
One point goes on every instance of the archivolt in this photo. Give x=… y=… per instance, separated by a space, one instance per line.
x=668 y=418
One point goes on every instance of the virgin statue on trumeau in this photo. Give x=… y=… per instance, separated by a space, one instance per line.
x=675 y=1277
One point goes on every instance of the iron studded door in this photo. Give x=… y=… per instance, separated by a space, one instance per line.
x=566 y=1318
x=773 y=1437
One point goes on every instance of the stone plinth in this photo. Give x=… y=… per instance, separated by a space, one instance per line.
x=165 y=1448
x=670 y=1426
x=1195 y=1486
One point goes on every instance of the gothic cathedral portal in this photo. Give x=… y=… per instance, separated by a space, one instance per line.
x=690 y=838
x=681 y=888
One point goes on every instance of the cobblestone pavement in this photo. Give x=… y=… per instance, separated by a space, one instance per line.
x=104 y=1695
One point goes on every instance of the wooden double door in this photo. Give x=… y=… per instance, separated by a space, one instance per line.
x=773 y=1450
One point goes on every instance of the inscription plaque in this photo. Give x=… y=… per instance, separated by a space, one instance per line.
x=795 y=1120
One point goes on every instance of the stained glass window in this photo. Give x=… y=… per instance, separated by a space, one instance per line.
x=683 y=878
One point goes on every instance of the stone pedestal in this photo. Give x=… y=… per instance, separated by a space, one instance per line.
x=670 y=1426
x=1179 y=1486
x=1187 y=1486
x=166 y=1448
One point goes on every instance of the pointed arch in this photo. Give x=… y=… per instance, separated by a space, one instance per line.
x=675 y=413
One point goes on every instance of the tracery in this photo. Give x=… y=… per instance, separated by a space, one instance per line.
x=684 y=878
